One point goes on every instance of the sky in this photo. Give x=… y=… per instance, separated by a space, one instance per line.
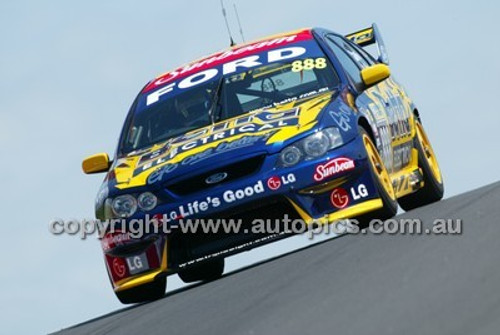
x=70 y=70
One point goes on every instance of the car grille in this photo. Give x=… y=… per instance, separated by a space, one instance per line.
x=190 y=246
x=234 y=171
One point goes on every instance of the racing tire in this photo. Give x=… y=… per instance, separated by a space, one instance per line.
x=147 y=292
x=433 y=189
x=381 y=180
x=206 y=271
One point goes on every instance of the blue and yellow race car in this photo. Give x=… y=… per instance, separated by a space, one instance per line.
x=306 y=124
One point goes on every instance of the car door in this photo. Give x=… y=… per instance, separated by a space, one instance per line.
x=379 y=103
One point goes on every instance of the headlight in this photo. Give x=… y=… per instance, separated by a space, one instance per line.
x=313 y=146
x=147 y=201
x=334 y=137
x=124 y=206
x=290 y=156
x=316 y=145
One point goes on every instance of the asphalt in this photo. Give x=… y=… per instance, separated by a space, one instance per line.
x=363 y=284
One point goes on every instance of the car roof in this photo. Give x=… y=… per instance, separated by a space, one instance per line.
x=238 y=50
x=256 y=41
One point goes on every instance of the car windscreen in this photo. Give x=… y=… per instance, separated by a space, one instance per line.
x=262 y=80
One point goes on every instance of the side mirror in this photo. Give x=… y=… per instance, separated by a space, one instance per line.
x=96 y=163
x=375 y=74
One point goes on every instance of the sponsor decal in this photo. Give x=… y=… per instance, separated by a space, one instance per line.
x=339 y=198
x=201 y=206
x=229 y=196
x=362 y=36
x=137 y=263
x=265 y=121
x=293 y=99
x=341 y=118
x=359 y=192
x=393 y=122
x=216 y=178
x=112 y=240
x=119 y=267
x=156 y=153
x=402 y=155
x=228 y=68
x=195 y=207
x=333 y=167
x=274 y=183
x=222 y=147
x=233 y=59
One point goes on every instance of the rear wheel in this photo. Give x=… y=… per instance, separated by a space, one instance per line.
x=433 y=189
x=147 y=292
x=382 y=182
x=206 y=271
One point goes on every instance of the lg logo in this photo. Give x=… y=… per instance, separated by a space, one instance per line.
x=119 y=267
x=359 y=192
x=137 y=263
x=275 y=182
x=340 y=197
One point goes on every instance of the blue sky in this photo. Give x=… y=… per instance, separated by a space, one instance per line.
x=70 y=70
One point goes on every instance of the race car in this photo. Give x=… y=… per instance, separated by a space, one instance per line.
x=307 y=125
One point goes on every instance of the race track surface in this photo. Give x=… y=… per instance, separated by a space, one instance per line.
x=364 y=284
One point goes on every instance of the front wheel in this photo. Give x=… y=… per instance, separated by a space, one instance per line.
x=433 y=188
x=206 y=271
x=147 y=292
x=381 y=179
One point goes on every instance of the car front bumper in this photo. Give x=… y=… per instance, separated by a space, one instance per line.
x=331 y=195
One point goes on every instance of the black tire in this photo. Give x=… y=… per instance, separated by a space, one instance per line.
x=390 y=203
x=206 y=271
x=147 y=292
x=432 y=191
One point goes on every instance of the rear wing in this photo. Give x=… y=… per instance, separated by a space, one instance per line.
x=369 y=36
x=362 y=37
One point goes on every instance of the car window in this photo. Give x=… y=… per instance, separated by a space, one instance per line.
x=268 y=83
x=365 y=54
x=276 y=78
x=349 y=49
x=350 y=66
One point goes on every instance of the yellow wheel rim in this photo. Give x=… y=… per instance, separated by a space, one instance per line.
x=378 y=167
x=429 y=155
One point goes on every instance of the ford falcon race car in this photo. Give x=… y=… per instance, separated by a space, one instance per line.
x=307 y=124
